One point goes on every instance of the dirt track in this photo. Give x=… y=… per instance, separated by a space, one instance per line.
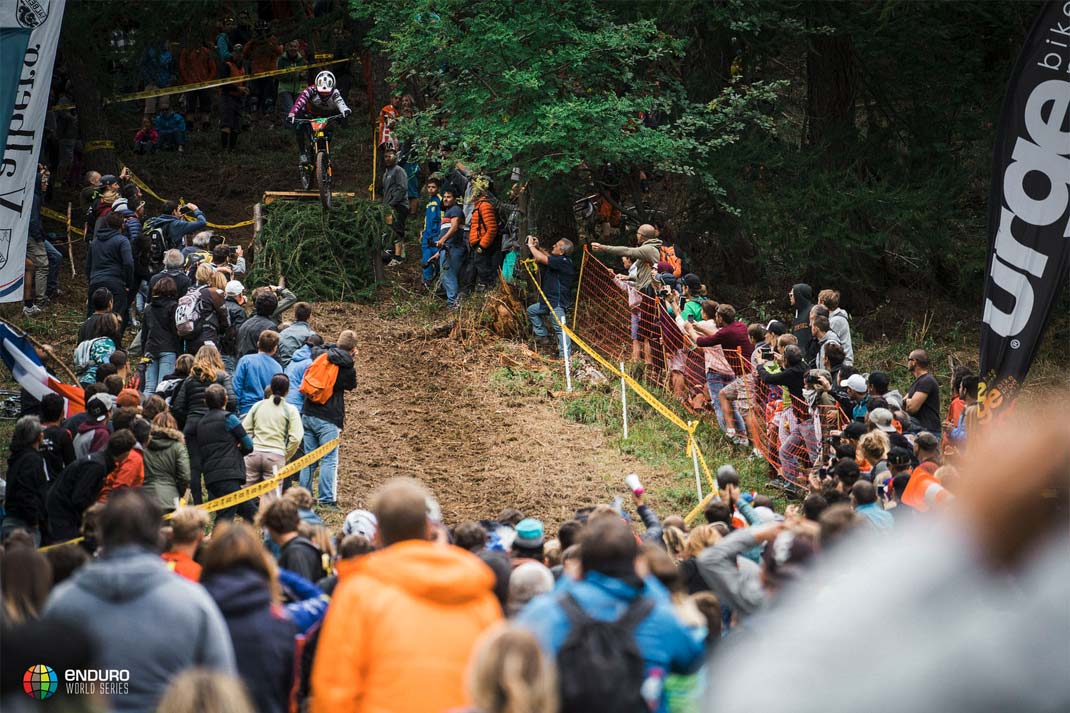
x=415 y=412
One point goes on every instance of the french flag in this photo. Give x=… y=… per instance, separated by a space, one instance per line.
x=26 y=367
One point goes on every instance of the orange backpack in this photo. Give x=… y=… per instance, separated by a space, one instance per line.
x=318 y=384
x=668 y=254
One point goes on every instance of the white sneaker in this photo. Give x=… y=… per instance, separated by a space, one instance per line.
x=31 y=311
x=394 y=262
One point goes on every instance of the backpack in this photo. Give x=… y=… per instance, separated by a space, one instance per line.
x=600 y=667
x=318 y=383
x=668 y=254
x=86 y=356
x=158 y=243
x=188 y=313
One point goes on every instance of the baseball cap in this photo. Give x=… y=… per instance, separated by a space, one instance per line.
x=234 y=288
x=360 y=522
x=128 y=398
x=529 y=533
x=856 y=383
x=99 y=406
x=854 y=430
x=776 y=327
x=693 y=281
x=108 y=179
x=899 y=456
x=882 y=419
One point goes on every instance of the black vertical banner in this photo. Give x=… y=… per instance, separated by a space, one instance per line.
x=1029 y=208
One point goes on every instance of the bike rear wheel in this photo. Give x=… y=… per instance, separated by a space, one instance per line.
x=323 y=179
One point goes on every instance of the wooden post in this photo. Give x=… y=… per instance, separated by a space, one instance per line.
x=70 y=250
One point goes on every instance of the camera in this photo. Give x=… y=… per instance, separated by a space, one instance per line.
x=832 y=440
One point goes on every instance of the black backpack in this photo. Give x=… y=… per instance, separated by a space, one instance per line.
x=600 y=667
x=158 y=243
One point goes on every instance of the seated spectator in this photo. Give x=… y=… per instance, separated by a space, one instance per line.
x=134 y=607
x=241 y=577
x=147 y=138
x=296 y=553
x=438 y=599
x=609 y=590
x=255 y=371
x=187 y=533
x=223 y=443
x=172 y=129
x=167 y=475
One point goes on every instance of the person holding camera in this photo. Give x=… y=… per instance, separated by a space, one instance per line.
x=174 y=221
x=558 y=280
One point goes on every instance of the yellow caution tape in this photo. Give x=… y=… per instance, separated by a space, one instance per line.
x=209 y=84
x=690 y=517
x=145 y=187
x=49 y=213
x=98 y=146
x=253 y=491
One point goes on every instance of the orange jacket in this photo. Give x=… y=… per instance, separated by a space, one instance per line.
x=128 y=474
x=262 y=55
x=197 y=64
x=400 y=630
x=484 y=228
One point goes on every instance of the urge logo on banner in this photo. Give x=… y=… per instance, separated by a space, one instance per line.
x=1028 y=256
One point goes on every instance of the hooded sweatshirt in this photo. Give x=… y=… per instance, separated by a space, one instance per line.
x=800 y=325
x=262 y=634
x=646 y=256
x=401 y=629
x=145 y=619
x=166 y=466
x=295 y=370
x=91 y=437
x=109 y=257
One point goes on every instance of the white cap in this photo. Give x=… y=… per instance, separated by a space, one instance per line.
x=234 y=288
x=856 y=383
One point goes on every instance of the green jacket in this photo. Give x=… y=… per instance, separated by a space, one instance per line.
x=294 y=83
x=166 y=466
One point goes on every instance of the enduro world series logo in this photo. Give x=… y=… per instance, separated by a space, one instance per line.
x=41 y=682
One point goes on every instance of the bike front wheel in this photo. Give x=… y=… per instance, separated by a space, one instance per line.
x=323 y=179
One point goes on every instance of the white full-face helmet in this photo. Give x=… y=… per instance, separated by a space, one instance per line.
x=325 y=83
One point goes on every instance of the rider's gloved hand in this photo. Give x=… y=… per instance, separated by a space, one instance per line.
x=291 y=120
x=346 y=113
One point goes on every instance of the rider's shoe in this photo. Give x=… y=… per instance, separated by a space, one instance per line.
x=303 y=159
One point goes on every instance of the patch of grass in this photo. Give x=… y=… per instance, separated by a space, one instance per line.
x=517 y=381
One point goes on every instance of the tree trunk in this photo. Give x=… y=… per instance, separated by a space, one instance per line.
x=554 y=216
x=98 y=152
x=830 y=85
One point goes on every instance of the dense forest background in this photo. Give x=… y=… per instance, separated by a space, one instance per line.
x=840 y=143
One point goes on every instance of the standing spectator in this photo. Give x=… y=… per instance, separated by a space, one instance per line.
x=27 y=482
x=293 y=337
x=110 y=262
x=157 y=72
x=611 y=590
x=241 y=577
x=176 y=227
x=27 y=576
x=438 y=600
x=76 y=488
x=864 y=499
x=172 y=268
x=214 y=320
x=821 y=333
x=223 y=443
x=276 y=430
x=195 y=65
x=510 y=674
x=159 y=340
x=188 y=403
x=295 y=371
x=802 y=299
x=432 y=229
x=268 y=304
x=484 y=237
x=93 y=433
x=877 y=385
x=230 y=99
x=101 y=303
x=396 y=197
x=235 y=304
x=451 y=240
x=142 y=616
x=558 y=279
x=187 y=533
x=323 y=421
x=262 y=54
x=166 y=462
x=172 y=129
x=296 y=553
x=57 y=448
x=128 y=472
x=147 y=139
x=292 y=84
x=923 y=399
x=254 y=371
x=647 y=253
x=839 y=322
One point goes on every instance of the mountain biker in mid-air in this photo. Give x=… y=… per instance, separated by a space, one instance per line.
x=320 y=99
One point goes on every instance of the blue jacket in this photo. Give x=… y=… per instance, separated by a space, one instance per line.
x=37 y=228
x=877 y=516
x=432 y=220
x=296 y=371
x=175 y=123
x=252 y=376
x=262 y=633
x=176 y=228
x=109 y=256
x=663 y=641
x=309 y=604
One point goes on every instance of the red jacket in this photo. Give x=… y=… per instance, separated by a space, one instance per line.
x=128 y=474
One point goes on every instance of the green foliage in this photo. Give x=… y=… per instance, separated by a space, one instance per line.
x=323 y=257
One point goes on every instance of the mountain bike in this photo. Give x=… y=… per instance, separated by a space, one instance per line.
x=319 y=167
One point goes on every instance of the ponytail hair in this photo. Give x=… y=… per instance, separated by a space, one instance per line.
x=280 y=386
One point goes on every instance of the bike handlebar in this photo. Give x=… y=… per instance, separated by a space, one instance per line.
x=318 y=118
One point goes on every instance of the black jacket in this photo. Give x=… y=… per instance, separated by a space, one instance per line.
x=188 y=405
x=335 y=408
x=158 y=334
x=302 y=557
x=213 y=323
x=223 y=446
x=75 y=490
x=237 y=318
x=263 y=636
x=27 y=487
x=793 y=378
x=110 y=257
x=249 y=333
x=182 y=283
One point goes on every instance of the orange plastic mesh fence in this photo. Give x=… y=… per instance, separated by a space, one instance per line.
x=624 y=324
